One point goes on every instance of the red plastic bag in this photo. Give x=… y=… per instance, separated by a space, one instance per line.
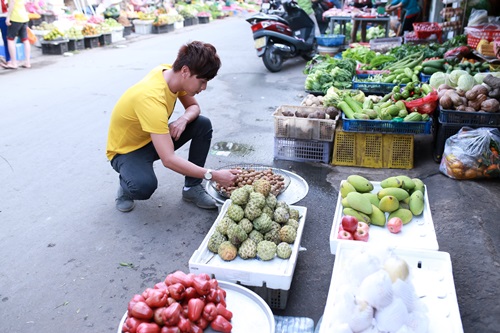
x=427 y=104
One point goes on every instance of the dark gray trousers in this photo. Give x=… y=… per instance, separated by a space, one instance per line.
x=137 y=176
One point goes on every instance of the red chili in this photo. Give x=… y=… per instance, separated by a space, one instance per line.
x=132 y=324
x=209 y=311
x=176 y=291
x=172 y=314
x=201 y=285
x=135 y=299
x=148 y=328
x=184 y=325
x=224 y=312
x=221 y=324
x=195 y=308
x=141 y=311
x=157 y=298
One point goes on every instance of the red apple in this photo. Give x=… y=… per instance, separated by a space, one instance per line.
x=361 y=235
x=363 y=225
x=345 y=235
x=394 y=224
x=349 y=223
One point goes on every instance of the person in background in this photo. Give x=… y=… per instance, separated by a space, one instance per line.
x=141 y=130
x=307 y=6
x=3 y=28
x=17 y=26
x=411 y=13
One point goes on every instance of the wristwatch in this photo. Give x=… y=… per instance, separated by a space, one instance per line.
x=208 y=175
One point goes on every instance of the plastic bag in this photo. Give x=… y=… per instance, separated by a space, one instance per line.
x=472 y=154
x=478 y=17
x=31 y=36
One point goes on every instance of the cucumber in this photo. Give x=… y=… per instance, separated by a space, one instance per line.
x=431 y=70
x=353 y=104
x=408 y=73
x=434 y=63
x=349 y=113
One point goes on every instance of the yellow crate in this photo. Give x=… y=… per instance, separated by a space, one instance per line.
x=373 y=150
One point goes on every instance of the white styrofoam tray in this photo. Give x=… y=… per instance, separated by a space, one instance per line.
x=430 y=273
x=419 y=233
x=276 y=273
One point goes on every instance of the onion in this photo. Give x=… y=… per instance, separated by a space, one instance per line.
x=397 y=268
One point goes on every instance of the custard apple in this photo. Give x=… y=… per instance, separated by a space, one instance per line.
x=236 y=234
x=224 y=224
x=235 y=212
x=294 y=214
x=258 y=198
x=292 y=223
x=215 y=240
x=282 y=204
x=239 y=196
x=281 y=215
x=246 y=224
x=284 y=250
x=288 y=234
x=267 y=210
x=256 y=236
x=248 y=249
x=262 y=223
x=266 y=250
x=271 y=201
x=262 y=186
x=252 y=211
x=227 y=251
x=248 y=188
x=273 y=236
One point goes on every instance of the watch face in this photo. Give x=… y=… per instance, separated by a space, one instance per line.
x=208 y=175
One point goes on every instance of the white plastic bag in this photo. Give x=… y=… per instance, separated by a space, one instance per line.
x=478 y=17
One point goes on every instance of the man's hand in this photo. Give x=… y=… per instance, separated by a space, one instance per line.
x=226 y=177
x=177 y=127
x=7 y=21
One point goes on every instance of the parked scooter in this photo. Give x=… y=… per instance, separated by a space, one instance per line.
x=281 y=37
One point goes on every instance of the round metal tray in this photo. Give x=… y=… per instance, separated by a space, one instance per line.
x=250 y=312
x=296 y=190
x=256 y=167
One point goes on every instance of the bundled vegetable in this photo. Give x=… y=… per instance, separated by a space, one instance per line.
x=324 y=72
x=183 y=303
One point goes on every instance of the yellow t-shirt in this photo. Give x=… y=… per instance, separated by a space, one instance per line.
x=19 y=13
x=143 y=109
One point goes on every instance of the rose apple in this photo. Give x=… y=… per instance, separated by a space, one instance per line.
x=363 y=225
x=361 y=235
x=343 y=234
x=349 y=223
x=394 y=224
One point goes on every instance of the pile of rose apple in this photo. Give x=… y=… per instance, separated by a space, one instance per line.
x=352 y=229
x=183 y=303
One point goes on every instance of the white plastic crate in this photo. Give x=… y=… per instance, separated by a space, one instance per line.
x=303 y=128
x=117 y=34
x=430 y=274
x=419 y=233
x=275 y=274
x=143 y=27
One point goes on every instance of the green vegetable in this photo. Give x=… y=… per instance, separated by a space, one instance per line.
x=430 y=70
x=437 y=79
x=353 y=104
x=349 y=113
x=466 y=82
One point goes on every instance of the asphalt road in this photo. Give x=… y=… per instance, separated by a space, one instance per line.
x=62 y=240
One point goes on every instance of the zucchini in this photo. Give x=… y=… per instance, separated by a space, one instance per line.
x=353 y=104
x=389 y=79
x=408 y=72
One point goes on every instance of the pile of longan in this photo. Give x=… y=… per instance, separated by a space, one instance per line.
x=248 y=176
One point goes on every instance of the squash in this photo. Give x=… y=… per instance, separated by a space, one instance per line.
x=490 y=105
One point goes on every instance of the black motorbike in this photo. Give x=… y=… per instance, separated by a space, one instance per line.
x=284 y=36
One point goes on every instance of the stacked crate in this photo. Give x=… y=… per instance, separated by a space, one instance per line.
x=302 y=139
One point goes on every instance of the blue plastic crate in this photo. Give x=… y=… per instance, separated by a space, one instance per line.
x=378 y=88
x=469 y=118
x=386 y=126
x=424 y=78
x=19 y=51
x=330 y=40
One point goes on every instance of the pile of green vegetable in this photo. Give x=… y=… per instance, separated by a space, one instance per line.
x=324 y=71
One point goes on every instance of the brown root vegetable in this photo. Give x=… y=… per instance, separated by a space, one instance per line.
x=469 y=109
x=301 y=114
x=446 y=102
x=461 y=108
x=287 y=113
x=332 y=112
x=490 y=105
x=476 y=104
x=475 y=91
x=445 y=87
x=492 y=81
x=455 y=98
x=460 y=92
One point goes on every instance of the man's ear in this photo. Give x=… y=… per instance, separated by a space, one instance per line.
x=185 y=71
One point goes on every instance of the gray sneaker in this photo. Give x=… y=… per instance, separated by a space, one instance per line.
x=199 y=197
x=123 y=202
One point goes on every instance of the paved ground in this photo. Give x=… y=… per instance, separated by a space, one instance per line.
x=62 y=241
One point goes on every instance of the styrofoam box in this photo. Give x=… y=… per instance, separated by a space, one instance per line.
x=419 y=233
x=275 y=274
x=430 y=274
